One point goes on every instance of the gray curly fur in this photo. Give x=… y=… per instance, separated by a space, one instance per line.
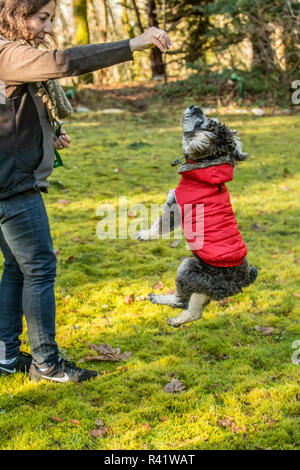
x=216 y=282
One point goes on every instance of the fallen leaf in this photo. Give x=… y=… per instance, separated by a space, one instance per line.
x=146 y=426
x=285 y=188
x=271 y=422
x=258 y=228
x=174 y=386
x=217 y=357
x=175 y=243
x=117 y=170
x=171 y=291
x=56 y=419
x=74 y=421
x=139 y=298
x=234 y=428
x=224 y=302
x=63 y=202
x=70 y=259
x=66 y=299
x=266 y=330
x=99 y=432
x=158 y=285
x=107 y=353
x=56 y=252
x=163 y=419
x=78 y=240
x=296 y=295
x=224 y=422
x=129 y=299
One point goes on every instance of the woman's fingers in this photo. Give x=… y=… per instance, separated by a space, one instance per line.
x=150 y=38
x=159 y=44
x=62 y=141
x=163 y=38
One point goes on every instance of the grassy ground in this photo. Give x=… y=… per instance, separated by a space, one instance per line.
x=242 y=388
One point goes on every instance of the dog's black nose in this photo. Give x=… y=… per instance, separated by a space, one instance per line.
x=195 y=109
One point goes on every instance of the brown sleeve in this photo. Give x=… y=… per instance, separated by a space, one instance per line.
x=20 y=63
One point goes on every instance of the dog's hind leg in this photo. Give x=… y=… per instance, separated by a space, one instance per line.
x=172 y=300
x=194 y=311
x=181 y=297
x=188 y=287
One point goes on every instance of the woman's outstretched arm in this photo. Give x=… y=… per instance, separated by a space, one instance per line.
x=21 y=63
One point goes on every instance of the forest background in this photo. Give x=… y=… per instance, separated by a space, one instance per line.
x=231 y=49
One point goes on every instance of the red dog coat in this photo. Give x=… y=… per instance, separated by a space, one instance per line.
x=208 y=220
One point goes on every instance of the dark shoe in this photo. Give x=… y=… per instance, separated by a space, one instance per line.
x=21 y=364
x=63 y=371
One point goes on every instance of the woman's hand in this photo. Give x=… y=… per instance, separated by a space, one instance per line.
x=151 y=38
x=62 y=141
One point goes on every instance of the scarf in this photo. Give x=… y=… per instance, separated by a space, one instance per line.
x=54 y=97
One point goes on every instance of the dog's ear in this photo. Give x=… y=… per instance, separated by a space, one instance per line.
x=229 y=143
x=238 y=148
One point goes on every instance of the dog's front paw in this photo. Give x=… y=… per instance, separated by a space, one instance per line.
x=143 y=235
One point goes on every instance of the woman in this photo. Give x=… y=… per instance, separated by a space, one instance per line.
x=31 y=106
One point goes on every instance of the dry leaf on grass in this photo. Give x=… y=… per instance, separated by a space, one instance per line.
x=129 y=299
x=175 y=243
x=224 y=422
x=229 y=422
x=99 y=432
x=107 y=353
x=174 y=386
x=266 y=330
x=63 y=202
x=224 y=302
x=56 y=419
x=158 y=285
x=74 y=421
x=146 y=426
x=170 y=291
x=78 y=240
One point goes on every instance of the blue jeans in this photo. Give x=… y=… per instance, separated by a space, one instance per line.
x=27 y=284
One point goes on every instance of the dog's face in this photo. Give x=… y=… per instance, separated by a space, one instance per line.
x=205 y=138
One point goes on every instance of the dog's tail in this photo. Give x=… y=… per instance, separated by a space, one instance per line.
x=253 y=274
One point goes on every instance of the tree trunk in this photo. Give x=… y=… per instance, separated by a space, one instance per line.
x=138 y=16
x=127 y=25
x=157 y=65
x=82 y=31
x=102 y=26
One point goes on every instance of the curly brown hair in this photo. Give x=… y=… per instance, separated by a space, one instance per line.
x=13 y=14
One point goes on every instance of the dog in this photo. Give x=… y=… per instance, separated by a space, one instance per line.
x=218 y=268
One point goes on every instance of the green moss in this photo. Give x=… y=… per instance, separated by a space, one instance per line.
x=230 y=369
